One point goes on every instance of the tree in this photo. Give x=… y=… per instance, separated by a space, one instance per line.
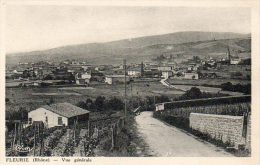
x=227 y=86
x=162 y=99
x=20 y=114
x=89 y=104
x=51 y=101
x=193 y=93
x=81 y=104
x=115 y=104
x=100 y=103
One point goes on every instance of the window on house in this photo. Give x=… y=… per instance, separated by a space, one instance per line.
x=46 y=119
x=30 y=120
x=60 y=121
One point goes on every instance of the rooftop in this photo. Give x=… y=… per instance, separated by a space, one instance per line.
x=135 y=69
x=66 y=109
x=116 y=76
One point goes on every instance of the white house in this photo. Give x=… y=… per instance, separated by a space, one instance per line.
x=165 y=68
x=235 y=60
x=167 y=74
x=58 y=115
x=86 y=75
x=159 y=107
x=82 y=78
x=81 y=81
x=112 y=79
x=17 y=72
x=192 y=76
x=134 y=72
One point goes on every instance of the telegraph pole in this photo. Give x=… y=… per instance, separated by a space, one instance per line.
x=125 y=84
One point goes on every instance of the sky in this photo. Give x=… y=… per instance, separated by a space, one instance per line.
x=30 y=28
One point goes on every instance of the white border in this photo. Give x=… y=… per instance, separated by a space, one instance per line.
x=254 y=5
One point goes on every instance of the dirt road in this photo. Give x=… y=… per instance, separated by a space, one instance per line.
x=165 y=140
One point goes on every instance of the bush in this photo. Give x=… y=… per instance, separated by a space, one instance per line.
x=21 y=114
x=100 y=103
x=161 y=99
x=246 y=89
x=81 y=104
x=115 y=104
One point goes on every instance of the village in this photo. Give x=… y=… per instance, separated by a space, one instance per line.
x=72 y=105
x=73 y=72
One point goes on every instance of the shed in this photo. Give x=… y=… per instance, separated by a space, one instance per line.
x=58 y=115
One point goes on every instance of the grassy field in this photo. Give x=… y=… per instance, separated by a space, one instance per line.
x=31 y=98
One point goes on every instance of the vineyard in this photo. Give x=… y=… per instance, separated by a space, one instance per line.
x=237 y=109
x=178 y=114
x=76 y=140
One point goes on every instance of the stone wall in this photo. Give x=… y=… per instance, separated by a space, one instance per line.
x=220 y=127
x=248 y=134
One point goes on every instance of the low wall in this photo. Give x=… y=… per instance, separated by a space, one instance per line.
x=228 y=129
x=248 y=134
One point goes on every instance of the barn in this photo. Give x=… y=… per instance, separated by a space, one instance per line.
x=60 y=114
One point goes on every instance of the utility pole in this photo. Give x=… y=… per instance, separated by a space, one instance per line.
x=34 y=139
x=14 y=136
x=125 y=84
x=229 y=55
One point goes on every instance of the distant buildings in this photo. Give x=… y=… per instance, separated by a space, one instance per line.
x=17 y=72
x=235 y=60
x=83 y=78
x=191 y=76
x=167 y=74
x=135 y=72
x=113 y=79
x=165 y=68
x=62 y=74
x=97 y=76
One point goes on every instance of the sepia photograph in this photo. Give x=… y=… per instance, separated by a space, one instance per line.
x=127 y=81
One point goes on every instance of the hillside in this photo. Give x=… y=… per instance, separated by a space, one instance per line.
x=142 y=48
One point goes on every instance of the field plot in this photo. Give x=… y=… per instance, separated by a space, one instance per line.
x=31 y=98
x=141 y=89
x=53 y=94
